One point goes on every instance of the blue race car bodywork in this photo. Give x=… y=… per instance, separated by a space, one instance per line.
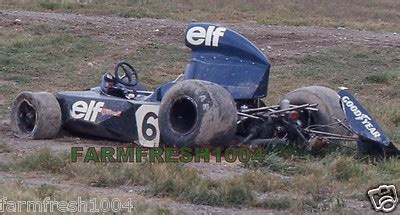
x=227 y=58
x=221 y=60
x=224 y=57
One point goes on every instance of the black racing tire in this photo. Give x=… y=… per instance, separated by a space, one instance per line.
x=329 y=108
x=197 y=113
x=36 y=116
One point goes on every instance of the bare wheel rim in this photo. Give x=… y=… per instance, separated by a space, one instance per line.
x=26 y=117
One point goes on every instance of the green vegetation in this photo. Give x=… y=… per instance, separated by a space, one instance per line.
x=322 y=184
x=371 y=73
x=43 y=54
x=358 y=14
x=43 y=161
x=384 y=78
x=158 y=63
x=162 y=179
x=280 y=203
x=4 y=148
x=344 y=169
x=354 y=65
x=19 y=192
x=274 y=163
x=43 y=57
x=306 y=183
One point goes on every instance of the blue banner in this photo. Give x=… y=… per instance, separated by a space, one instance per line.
x=360 y=121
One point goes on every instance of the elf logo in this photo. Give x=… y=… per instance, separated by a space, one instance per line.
x=210 y=37
x=81 y=109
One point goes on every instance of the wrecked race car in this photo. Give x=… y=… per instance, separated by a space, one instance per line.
x=218 y=97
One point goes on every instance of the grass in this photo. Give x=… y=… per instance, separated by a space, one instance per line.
x=4 y=148
x=322 y=185
x=307 y=183
x=17 y=191
x=161 y=179
x=358 y=14
x=42 y=54
x=311 y=204
x=43 y=161
x=384 y=78
x=40 y=57
x=274 y=163
x=372 y=74
x=170 y=63
x=371 y=65
x=346 y=169
x=374 y=79
x=280 y=203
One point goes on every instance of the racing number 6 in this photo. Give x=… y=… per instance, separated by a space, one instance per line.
x=146 y=125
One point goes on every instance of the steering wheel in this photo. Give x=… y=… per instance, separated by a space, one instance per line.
x=129 y=78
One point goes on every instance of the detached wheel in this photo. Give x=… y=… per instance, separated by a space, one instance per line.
x=36 y=116
x=329 y=108
x=197 y=113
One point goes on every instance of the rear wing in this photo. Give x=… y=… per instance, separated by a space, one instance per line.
x=360 y=121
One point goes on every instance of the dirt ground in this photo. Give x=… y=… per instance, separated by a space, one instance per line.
x=279 y=42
